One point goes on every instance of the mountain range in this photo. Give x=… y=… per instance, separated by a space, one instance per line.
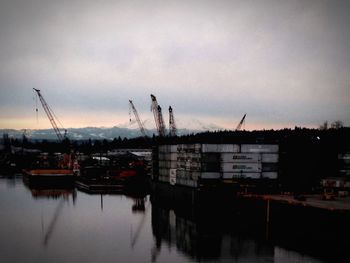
x=93 y=133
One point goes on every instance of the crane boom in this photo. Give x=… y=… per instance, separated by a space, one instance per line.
x=50 y=115
x=142 y=129
x=172 y=125
x=158 y=117
x=239 y=126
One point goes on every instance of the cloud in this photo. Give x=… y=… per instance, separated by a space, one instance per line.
x=282 y=62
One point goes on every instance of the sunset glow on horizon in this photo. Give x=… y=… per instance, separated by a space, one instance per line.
x=284 y=63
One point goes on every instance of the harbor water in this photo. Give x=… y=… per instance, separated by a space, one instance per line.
x=67 y=225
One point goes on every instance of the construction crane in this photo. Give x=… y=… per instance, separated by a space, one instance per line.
x=172 y=125
x=142 y=128
x=158 y=116
x=51 y=116
x=241 y=123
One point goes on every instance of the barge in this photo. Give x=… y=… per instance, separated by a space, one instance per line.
x=49 y=177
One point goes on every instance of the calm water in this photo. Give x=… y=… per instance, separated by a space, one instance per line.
x=72 y=226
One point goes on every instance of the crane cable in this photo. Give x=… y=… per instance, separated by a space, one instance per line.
x=35 y=97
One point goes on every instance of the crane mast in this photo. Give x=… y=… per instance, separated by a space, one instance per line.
x=158 y=117
x=142 y=129
x=172 y=125
x=161 y=122
x=239 y=126
x=50 y=115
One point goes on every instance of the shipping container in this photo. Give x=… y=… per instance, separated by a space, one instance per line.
x=164 y=172
x=210 y=158
x=259 y=148
x=167 y=156
x=172 y=176
x=241 y=167
x=167 y=148
x=167 y=164
x=187 y=155
x=269 y=157
x=210 y=167
x=210 y=175
x=345 y=172
x=193 y=166
x=207 y=148
x=241 y=175
x=344 y=158
x=229 y=148
x=180 y=173
x=194 y=175
x=241 y=157
x=269 y=167
x=163 y=179
x=189 y=147
x=269 y=175
x=219 y=148
x=189 y=166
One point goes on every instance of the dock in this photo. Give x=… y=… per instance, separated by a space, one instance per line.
x=314 y=201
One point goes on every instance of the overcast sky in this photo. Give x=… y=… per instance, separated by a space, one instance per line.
x=284 y=63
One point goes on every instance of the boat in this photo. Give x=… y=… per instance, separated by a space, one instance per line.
x=49 y=177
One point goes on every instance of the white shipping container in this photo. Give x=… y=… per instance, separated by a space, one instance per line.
x=259 y=148
x=219 y=148
x=241 y=167
x=241 y=175
x=207 y=148
x=240 y=157
x=172 y=172
x=172 y=176
x=209 y=175
x=269 y=175
x=269 y=157
x=229 y=148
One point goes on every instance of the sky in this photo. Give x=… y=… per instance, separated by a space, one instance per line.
x=284 y=63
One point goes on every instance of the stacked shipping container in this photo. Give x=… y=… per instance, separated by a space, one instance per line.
x=187 y=164
x=344 y=164
x=167 y=163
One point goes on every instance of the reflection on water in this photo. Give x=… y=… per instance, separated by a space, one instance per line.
x=66 y=225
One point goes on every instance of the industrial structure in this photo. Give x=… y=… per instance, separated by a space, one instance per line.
x=172 y=125
x=241 y=123
x=194 y=164
x=138 y=120
x=50 y=114
x=158 y=116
